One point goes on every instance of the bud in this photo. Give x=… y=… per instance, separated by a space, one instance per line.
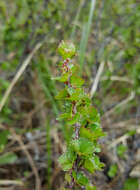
x=66 y=49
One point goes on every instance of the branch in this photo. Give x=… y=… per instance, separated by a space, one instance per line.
x=29 y=157
x=97 y=79
x=118 y=78
x=10 y=182
x=123 y=102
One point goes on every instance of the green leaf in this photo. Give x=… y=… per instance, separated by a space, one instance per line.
x=67 y=159
x=99 y=165
x=93 y=163
x=76 y=81
x=91 y=134
x=131 y=184
x=121 y=149
x=81 y=179
x=84 y=132
x=89 y=165
x=132 y=132
x=3 y=139
x=62 y=94
x=83 y=103
x=97 y=147
x=74 y=120
x=112 y=170
x=64 y=77
x=89 y=114
x=68 y=177
x=76 y=95
x=90 y=187
x=83 y=146
x=8 y=158
x=93 y=115
x=97 y=132
x=66 y=49
x=64 y=116
x=74 y=69
x=70 y=90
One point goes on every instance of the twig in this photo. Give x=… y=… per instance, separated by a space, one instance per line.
x=97 y=78
x=17 y=76
x=121 y=139
x=118 y=78
x=11 y=182
x=77 y=128
x=123 y=102
x=110 y=66
x=23 y=147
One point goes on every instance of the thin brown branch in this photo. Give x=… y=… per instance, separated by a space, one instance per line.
x=122 y=103
x=24 y=149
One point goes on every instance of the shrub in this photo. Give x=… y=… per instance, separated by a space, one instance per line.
x=83 y=118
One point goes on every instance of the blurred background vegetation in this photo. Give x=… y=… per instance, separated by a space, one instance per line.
x=107 y=37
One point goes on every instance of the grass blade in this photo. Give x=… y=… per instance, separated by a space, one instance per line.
x=85 y=34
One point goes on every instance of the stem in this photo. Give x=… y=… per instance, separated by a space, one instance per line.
x=77 y=129
x=77 y=125
x=80 y=114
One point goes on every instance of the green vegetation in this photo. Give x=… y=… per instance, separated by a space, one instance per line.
x=84 y=120
x=33 y=132
x=121 y=149
x=112 y=170
x=131 y=184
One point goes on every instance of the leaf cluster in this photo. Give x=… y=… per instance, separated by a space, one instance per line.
x=83 y=118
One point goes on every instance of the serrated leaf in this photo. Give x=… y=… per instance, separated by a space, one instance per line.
x=99 y=165
x=76 y=81
x=70 y=90
x=92 y=135
x=112 y=170
x=90 y=187
x=83 y=146
x=81 y=179
x=76 y=95
x=74 y=119
x=93 y=163
x=93 y=115
x=62 y=94
x=75 y=68
x=89 y=165
x=8 y=158
x=84 y=132
x=67 y=159
x=97 y=132
x=66 y=49
x=89 y=114
x=64 y=116
x=64 y=77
